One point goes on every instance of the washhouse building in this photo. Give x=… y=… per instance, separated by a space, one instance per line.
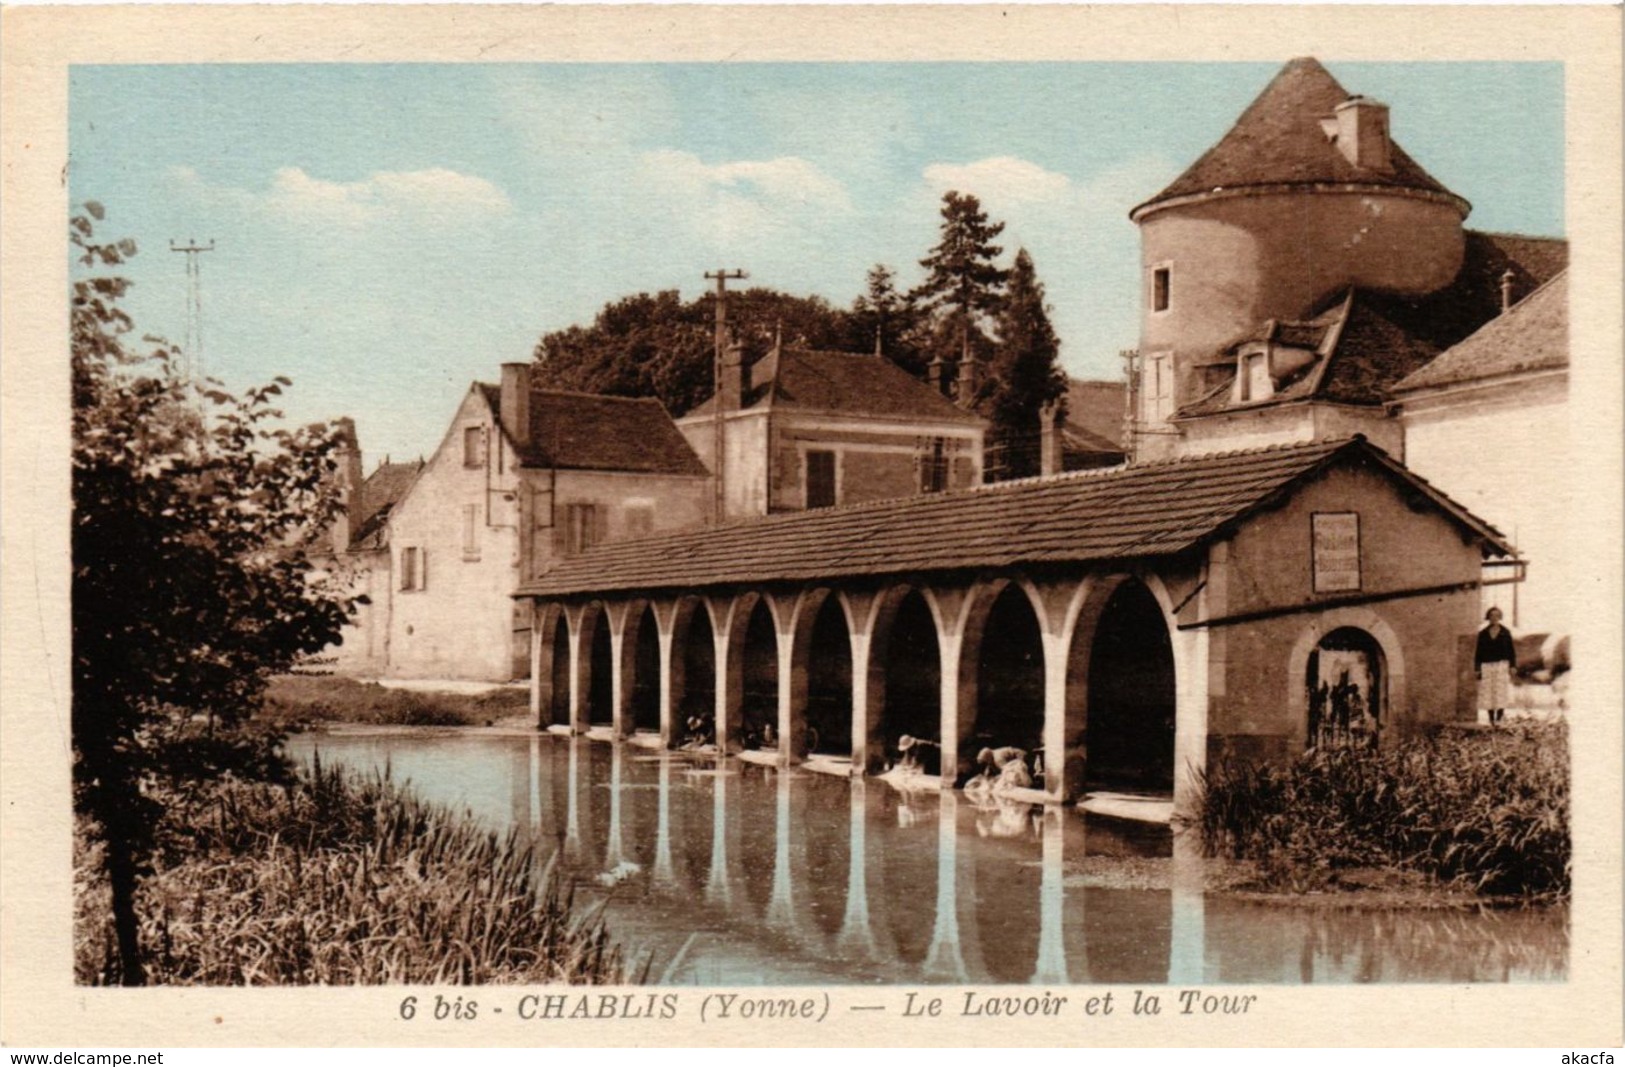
x=1130 y=624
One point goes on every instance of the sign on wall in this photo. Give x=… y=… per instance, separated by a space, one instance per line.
x=1335 y=538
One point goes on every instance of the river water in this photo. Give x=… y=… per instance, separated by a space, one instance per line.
x=745 y=874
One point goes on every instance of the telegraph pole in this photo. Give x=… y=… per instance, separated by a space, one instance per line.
x=718 y=479
x=192 y=348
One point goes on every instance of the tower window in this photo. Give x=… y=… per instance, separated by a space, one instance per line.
x=1159 y=289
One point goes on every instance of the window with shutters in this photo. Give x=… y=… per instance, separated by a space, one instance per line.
x=583 y=528
x=820 y=479
x=471 y=532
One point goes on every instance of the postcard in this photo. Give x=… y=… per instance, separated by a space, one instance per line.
x=812 y=526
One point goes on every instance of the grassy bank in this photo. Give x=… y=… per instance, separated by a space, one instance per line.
x=344 y=880
x=1485 y=811
x=296 y=701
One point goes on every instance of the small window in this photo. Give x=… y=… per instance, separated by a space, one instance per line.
x=820 y=479
x=474 y=446
x=1159 y=289
x=583 y=528
x=471 y=531
x=413 y=570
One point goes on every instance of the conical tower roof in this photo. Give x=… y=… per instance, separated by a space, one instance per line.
x=1279 y=140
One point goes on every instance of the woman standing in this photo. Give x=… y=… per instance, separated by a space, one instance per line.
x=1494 y=657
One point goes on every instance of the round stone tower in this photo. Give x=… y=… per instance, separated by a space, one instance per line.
x=1306 y=197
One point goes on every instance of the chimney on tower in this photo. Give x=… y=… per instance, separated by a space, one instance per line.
x=1362 y=133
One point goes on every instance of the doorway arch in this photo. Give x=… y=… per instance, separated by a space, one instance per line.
x=1345 y=689
x=1131 y=693
x=599 y=693
x=645 y=696
x=829 y=681
x=909 y=656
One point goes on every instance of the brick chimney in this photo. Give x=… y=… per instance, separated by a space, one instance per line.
x=731 y=393
x=1362 y=133
x=935 y=376
x=1050 y=461
x=970 y=380
x=514 y=406
x=350 y=480
x=1506 y=290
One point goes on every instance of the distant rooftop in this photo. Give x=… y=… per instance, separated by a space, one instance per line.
x=1532 y=335
x=586 y=431
x=841 y=383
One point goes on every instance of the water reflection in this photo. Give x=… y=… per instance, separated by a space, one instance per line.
x=798 y=877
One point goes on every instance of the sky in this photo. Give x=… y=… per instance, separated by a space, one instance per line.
x=386 y=234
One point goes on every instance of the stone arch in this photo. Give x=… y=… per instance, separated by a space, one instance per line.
x=904 y=675
x=594 y=664
x=1122 y=683
x=692 y=675
x=640 y=668
x=1002 y=671
x=820 y=675
x=1321 y=626
x=550 y=673
x=732 y=618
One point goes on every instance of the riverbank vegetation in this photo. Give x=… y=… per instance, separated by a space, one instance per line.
x=1485 y=811
x=342 y=879
x=295 y=701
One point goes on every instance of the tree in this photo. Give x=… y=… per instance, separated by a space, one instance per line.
x=1027 y=374
x=884 y=312
x=191 y=585
x=659 y=346
x=963 y=285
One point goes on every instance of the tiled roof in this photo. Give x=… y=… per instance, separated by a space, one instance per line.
x=1127 y=513
x=1381 y=338
x=1532 y=335
x=381 y=491
x=1279 y=140
x=842 y=383
x=585 y=431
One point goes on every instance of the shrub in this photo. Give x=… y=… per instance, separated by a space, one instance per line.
x=345 y=880
x=302 y=699
x=1486 y=810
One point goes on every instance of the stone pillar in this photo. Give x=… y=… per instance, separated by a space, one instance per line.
x=541 y=690
x=622 y=665
x=728 y=717
x=1059 y=603
x=792 y=673
x=862 y=609
x=1190 y=716
x=950 y=607
x=671 y=671
x=580 y=666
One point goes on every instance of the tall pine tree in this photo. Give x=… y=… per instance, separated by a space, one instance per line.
x=884 y=317
x=1027 y=374
x=964 y=284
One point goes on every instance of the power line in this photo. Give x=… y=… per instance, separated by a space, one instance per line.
x=718 y=480
x=192 y=346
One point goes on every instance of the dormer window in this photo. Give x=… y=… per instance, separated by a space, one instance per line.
x=1253 y=381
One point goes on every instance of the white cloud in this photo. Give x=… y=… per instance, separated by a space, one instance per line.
x=420 y=195
x=740 y=201
x=1001 y=180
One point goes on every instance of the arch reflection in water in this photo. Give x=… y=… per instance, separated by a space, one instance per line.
x=787 y=876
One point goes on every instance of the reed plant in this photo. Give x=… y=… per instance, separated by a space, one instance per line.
x=345 y=879
x=1486 y=811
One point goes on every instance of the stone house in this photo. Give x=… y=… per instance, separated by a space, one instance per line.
x=803 y=428
x=522 y=477
x=1488 y=421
